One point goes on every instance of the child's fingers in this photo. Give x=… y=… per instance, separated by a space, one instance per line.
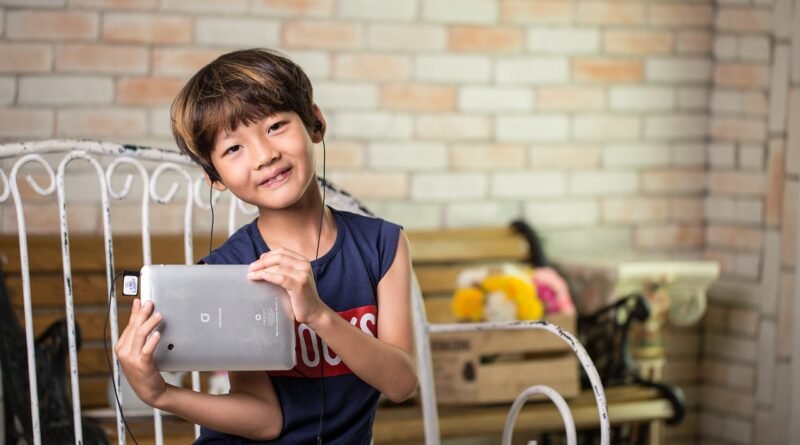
x=140 y=337
x=150 y=345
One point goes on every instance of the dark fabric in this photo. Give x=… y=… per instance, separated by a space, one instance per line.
x=347 y=278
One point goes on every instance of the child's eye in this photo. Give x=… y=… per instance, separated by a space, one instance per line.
x=231 y=150
x=276 y=126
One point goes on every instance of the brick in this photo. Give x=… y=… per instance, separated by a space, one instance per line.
x=635 y=210
x=44 y=219
x=160 y=122
x=637 y=42
x=796 y=46
x=460 y=127
x=563 y=213
x=34 y=3
x=688 y=209
x=670 y=236
x=485 y=39
x=93 y=58
x=51 y=25
x=735 y=237
x=394 y=36
x=785 y=316
x=739 y=102
x=728 y=401
x=316 y=64
x=765 y=377
x=468 y=11
x=733 y=129
x=754 y=48
x=320 y=35
x=290 y=8
x=601 y=183
x=408 y=156
x=610 y=13
x=743 y=321
x=641 y=98
x=689 y=155
x=563 y=40
x=410 y=215
x=371 y=67
x=636 y=155
x=693 y=98
x=343 y=154
x=148 y=90
x=570 y=98
x=744 y=20
x=528 y=185
x=793 y=133
x=213 y=6
x=726 y=47
x=418 y=97
x=742 y=183
x=694 y=43
x=400 y=10
x=565 y=156
x=495 y=99
x=674 y=181
x=606 y=127
x=371 y=125
x=23 y=123
x=97 y=122
x=595 y=69
x=8 y=90
x=369 y=185
x=738 y=431
x=148 y=28
x=749 y=211
x=62 y=90
x=25 y=58
x=449 y=187
x=531 y=128
x=487 y=157
x=182 y=62
x=453 y=68
x=779 y=90
x=729 y=374
x=751 y=157
x=540 y=11
x=680 y=15
x=782 y=19
x=532 y=70
x=224 y=31
x=132 y=5
x=481 y=214
x=345 y=96
x=789 y=224
x=775 y=177
x=676 y=127
x=683 y=69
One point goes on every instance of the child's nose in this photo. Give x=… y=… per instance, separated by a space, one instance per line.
x=264 y=155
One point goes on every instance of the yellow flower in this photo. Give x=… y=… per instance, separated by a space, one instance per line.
x=521 y=291
x=468 y=304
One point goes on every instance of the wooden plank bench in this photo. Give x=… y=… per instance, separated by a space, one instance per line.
x=438 y=256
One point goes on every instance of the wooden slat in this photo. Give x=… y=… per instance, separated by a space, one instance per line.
x=88 y=255
x=626 y=404
x=47 y=289
x=90 y=322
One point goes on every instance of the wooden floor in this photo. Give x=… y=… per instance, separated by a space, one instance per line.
x=403 y=425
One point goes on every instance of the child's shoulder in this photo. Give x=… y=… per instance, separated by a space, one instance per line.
x=240 y=248
x=366 y=223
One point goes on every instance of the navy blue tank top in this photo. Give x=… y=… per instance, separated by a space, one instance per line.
x=347 y=279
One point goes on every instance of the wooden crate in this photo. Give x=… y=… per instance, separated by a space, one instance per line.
x=494 y=367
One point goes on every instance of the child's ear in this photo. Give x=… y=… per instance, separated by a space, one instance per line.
x=217 y=184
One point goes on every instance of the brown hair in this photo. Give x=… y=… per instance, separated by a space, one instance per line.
x=237 y=88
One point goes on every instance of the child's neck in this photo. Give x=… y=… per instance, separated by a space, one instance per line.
x=297 y=229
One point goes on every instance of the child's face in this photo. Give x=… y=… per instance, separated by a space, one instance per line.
x=269 y=164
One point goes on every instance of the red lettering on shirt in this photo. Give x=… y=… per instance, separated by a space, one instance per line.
x=311 y=352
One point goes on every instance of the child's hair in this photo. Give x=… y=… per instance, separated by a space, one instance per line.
x=237 y=88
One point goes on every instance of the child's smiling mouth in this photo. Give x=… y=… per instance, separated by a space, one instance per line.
x=277 y=179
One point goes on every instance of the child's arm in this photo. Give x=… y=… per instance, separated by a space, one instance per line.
x=251 y=410
x=385 y=362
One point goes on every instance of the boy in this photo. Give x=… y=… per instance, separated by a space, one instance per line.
x=248 y=118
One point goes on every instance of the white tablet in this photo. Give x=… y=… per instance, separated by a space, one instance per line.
x=216 y=319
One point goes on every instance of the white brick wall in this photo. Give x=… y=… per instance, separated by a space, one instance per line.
x=495 y=99
x=412 y=156
x=384 y=36
x=8 y=90
x=236 y=32
x=65 y=90
x=537 y=128
x=638 y=98
x=400 y=10
x=467 y=11
x=563 y=40
x=446 y=187
x=525 y=185
x=532 y=70
x=449 y=68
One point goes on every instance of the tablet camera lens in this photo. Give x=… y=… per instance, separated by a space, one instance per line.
x=170 y=346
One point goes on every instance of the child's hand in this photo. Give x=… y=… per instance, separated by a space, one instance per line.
x=291 y=271
x=135 y=352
